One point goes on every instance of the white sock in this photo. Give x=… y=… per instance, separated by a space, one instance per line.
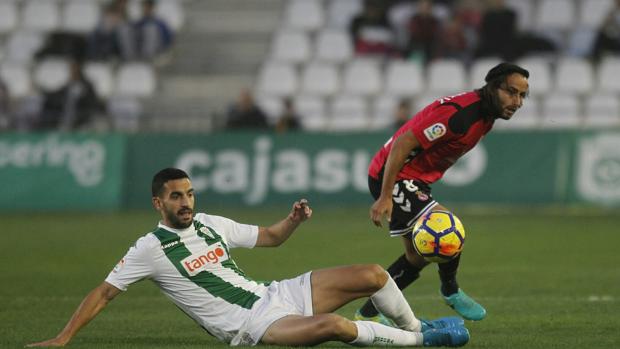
x=374 y=334
x=390 y=301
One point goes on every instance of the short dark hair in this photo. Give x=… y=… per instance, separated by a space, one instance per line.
x=502 y=70
x=163 y=176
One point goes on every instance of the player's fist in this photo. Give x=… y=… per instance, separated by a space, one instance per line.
x=301 y=211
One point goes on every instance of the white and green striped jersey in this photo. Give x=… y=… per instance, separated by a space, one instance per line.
x=194 y=268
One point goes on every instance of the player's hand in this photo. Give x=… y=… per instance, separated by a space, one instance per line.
x=381 y=208
x=54 y=342
x=301 y=211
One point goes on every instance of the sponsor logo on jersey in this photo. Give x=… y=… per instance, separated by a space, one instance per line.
x=119 y=265
x=435 y=131
x=170 y=244
x=198 y=262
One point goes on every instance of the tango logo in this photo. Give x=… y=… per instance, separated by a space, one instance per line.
x=198 y=262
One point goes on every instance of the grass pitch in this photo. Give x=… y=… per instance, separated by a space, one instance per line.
x=548 y=280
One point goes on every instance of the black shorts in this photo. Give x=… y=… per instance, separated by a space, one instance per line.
x=411 y=200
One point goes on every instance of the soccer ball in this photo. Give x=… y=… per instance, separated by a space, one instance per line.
x=438 y=236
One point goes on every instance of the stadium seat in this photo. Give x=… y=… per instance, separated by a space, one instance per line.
x=101 y=76
x=320 y=79
x=22 y=46
x=525 y=13
x=602 y=110
x=580 y=41
x=561 y=110
x=404 y=78
x=574 y=75
x=479 y=70
x=382 y=112
x=592 y=13
x=277 y=79
x=125 y=112
x=334 y=46
x=540 y=74
x=312 y=111
x=446 y=76
x=51 y=74
x=17 y=79
x=80 y=16
x=555 y=15
x=608 y=75
x=41 y=15
x=304 y=15
x=424 y=99
x=348 y=113
x=272 y=106
x=172 y=12
x=362 y=77
x=290 y=46
x=136 y=80
x=341 y=12
x=8 y=16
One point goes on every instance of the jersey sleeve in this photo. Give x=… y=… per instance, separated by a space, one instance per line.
x=235 y=234
x=133 y=267
x=431 y=127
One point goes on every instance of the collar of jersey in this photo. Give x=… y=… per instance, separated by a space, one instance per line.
x=187 y=230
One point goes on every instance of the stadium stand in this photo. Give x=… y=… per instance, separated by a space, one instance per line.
x=302 y=49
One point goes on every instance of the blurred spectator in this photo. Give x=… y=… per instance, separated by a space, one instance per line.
x=70 y=45
x=5 y=107
x=499 y=36
x=498 y=31
x=424 y=32
x=288 y=120
x=402 y=114
x=608 y=36
x=452 y=42
x=72 y=106
x=371 y=32
x=153 y=35
x=113 y=37
x=245 y=114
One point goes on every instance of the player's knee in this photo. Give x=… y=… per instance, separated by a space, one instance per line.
x=376 y=276
x=332 y=325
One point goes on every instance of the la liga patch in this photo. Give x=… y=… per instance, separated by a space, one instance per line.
x=434 y=131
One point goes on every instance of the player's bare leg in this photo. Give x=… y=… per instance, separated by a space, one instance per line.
x=332 y=288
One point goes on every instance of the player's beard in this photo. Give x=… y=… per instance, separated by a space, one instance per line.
x=175 y=221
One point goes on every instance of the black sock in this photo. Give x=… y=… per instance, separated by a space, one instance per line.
x=403 y=273
x=447 y=274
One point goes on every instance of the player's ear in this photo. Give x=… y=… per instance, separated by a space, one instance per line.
x=156 y=203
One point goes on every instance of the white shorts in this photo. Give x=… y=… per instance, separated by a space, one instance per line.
x=286 y=297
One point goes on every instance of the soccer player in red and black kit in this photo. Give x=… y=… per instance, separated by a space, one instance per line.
x=418 y=154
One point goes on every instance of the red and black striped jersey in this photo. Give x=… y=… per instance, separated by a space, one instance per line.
x=446 y=129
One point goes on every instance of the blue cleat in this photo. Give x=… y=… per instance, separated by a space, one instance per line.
x=444 y=322
x=466 y=306
x=379 y=318
x=445 y=337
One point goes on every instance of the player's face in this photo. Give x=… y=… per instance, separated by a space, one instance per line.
x=176 y=203
x=511 y=95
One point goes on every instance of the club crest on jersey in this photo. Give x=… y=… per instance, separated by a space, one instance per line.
x=198 y=262
x=434 y=131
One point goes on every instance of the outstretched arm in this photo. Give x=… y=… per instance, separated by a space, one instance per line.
x=92 y=304
x=277 y=233
x=402 y=147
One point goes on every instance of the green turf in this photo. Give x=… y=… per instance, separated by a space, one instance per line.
x=547 y=280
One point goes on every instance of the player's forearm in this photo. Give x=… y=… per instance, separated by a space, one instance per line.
x=92 y=305
x=281 y=231
x=396 y=159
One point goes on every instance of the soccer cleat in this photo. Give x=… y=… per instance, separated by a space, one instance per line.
x=379 y=318
x=445 y=337
x=444 y=322
x=466 y=306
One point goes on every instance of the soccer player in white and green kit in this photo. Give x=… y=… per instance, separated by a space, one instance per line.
x=188 y=257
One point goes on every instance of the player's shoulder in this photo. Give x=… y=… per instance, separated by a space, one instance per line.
x=467 y=111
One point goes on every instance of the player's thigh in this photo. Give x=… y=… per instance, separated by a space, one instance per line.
x=413 y=257
x=295 y=330
x=335 y=287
